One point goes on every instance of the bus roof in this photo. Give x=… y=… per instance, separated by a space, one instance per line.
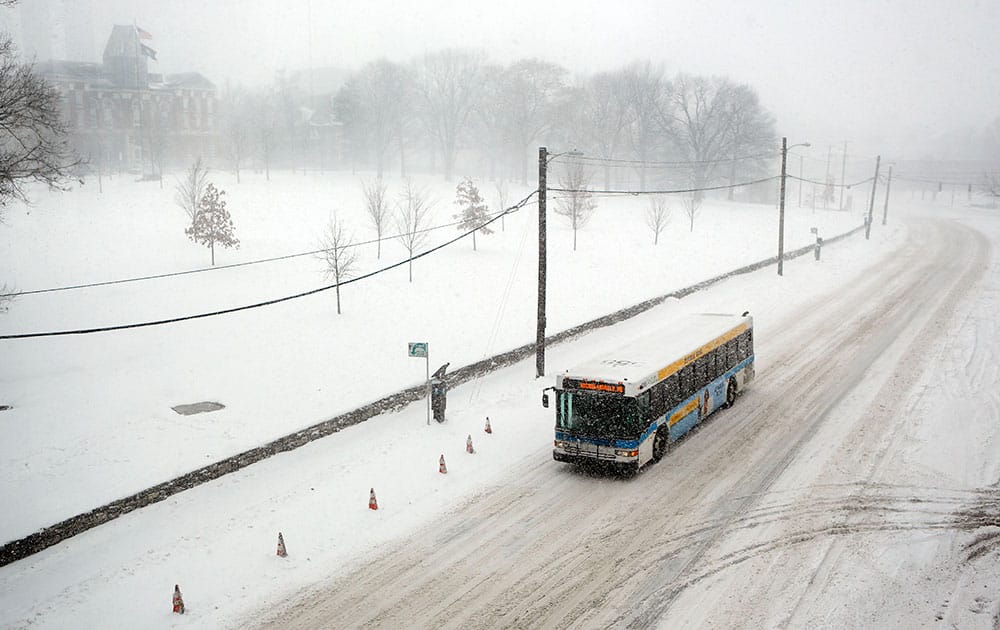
x=655 y=356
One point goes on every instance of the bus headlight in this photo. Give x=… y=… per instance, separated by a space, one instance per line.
x=624 y=453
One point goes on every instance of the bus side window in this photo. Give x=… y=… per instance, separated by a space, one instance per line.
x=701 y=371
x=742 y=347
x=671 y=393
x=749 y=342
x=716 y=364
x=685 y=383
x=644 y=406
x=731 y=359
x=656 y=405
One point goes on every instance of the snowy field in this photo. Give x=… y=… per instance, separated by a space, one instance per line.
x=91 y=418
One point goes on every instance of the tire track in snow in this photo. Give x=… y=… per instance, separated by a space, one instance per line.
x=553 y=547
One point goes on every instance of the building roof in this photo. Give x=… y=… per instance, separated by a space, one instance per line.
x=73 y=71
x=189 y=80
x=123 y=42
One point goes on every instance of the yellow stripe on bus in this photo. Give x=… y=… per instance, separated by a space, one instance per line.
x=700 y=352
x=688 y=408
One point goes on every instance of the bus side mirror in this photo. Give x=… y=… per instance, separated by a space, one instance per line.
x=545 y=400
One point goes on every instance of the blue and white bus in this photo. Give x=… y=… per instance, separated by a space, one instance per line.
x=625 y=408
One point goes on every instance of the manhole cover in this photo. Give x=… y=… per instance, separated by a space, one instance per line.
x=198 y=407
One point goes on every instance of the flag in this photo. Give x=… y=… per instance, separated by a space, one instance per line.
x=143 y=34
x=149 y=52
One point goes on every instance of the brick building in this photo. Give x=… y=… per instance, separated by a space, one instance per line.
x=124 y=118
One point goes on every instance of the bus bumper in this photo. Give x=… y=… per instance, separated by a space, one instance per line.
x=627 y=468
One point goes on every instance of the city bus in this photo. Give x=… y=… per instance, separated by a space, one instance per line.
x=627 y=407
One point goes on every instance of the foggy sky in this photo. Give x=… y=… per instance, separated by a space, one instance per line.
x=882 y=74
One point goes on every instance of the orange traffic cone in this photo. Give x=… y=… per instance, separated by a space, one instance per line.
x=282 y=553
x=372 y=503
x=441 y=467
x=178 y=600
x=489 y=429
x=468 y=445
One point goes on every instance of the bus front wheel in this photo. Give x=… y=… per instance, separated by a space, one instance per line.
x=730 y=394
x=660 y=441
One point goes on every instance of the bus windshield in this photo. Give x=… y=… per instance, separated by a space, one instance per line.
x=597 y=415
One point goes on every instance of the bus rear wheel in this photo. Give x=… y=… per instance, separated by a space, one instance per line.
x=730 y=394
x=660 y=442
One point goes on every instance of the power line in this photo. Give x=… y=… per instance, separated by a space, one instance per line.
x=611 y=161
x=818 y=183
x=219 y=267
x=664 y=192
x=286 y=298
x=942 y=180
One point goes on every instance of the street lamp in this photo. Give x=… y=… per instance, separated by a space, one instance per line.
x=781 y=205
x=543 y=162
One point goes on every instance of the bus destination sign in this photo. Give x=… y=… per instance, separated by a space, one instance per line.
x=594 y=386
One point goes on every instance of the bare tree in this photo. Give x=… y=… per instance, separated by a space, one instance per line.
x=265 y=121
x=691 y=203
x=488 y=123
x=645 y=89
x=606 y=116
x=575 y=202
x=991 y=184
x=412 y=214
x=657 y=216
x=373 y=104
x=377 y=206
x=529 y=97
x=239 y=143
x=750 y=137
x=212 y=223
x=502 y=196
x=698 y=123
x=189 y=190
x=338 y=254
x=448 y=85
x=158 y=142
x=33 y=136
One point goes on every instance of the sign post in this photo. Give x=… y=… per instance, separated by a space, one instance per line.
x=420 y=349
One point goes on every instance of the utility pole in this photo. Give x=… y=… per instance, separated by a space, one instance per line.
x=871 y=205
x=888 y=185
x=826 y=182
x=781 y=208
x=843 y=177
x=540 y=334
x=800 y=181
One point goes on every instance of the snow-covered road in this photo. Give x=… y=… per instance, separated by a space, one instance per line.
x=839 y=491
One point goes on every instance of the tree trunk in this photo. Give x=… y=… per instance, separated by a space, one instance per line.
x=338 y=296
x=732 y=179
x=212 y=245
x=473 y=240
